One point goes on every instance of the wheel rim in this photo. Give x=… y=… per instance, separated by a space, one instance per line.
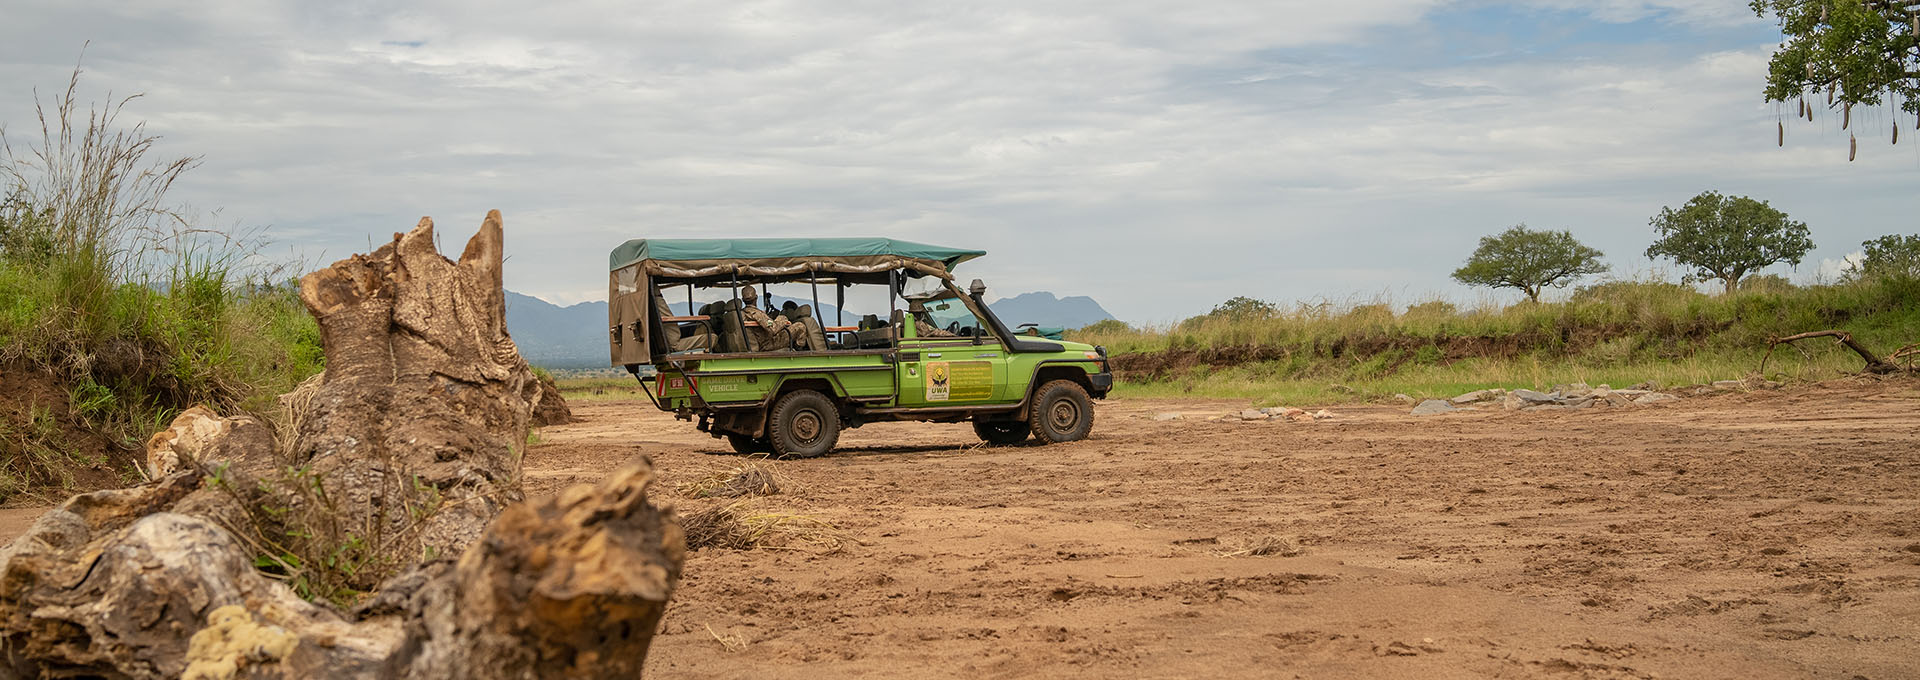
x=806 y=426
x=1064 y=414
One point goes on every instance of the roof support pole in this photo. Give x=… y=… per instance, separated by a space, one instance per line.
x=813 y=280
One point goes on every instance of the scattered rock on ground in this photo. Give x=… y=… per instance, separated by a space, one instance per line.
x=1533 y=397
x=1433 y=406
x=1167 y=416
x=1478 y=396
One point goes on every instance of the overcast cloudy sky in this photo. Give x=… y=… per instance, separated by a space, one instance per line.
x=1158 y=155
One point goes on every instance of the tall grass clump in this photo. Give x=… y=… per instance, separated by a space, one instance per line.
x=119 y=296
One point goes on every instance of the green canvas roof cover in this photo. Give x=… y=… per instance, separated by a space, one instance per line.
x=707 y=251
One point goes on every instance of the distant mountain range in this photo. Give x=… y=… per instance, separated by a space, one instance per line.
x=576 y=336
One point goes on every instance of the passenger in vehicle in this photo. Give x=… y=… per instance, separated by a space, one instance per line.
x=677 y=339
x=775 y=332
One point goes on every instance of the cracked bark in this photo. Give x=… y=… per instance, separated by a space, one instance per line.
x=412 y=442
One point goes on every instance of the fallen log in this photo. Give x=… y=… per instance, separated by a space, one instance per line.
x=393 y=487
x=1875 y=365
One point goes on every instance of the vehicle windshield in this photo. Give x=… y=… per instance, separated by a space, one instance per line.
x=953 y=316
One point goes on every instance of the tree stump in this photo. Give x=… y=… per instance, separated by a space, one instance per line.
x=395 y=465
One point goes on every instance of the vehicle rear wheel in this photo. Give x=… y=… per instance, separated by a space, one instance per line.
x=746 y=446
x=1001 y=432
x=804 y=424
x=1061 y=412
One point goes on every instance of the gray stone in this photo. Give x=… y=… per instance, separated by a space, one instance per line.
x=1512 y=403
x=1602 y=391
x=1478 y=396
x=1253 y=414
x=1533 y=397
x=1654 y=398
x=1432 y=406
x=1404 y=399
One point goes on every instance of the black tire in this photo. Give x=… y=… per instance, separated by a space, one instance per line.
x=1061 y=412
x=803 y=424
x=1001 y=432
x=747 y=446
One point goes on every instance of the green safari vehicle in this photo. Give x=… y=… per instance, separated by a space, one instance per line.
x=786 y=381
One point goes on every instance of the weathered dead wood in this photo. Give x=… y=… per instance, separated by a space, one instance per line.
x=414 y=437
x=549 y=408
x=417 y=432
x=1875 y=364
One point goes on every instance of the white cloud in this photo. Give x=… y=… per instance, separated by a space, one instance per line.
x=1158 y=156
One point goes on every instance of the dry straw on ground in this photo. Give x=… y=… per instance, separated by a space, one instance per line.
x=1265 y=546
x=742 y=525
x=754 y=478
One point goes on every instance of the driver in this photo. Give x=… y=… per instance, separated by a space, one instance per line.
x=921 y=326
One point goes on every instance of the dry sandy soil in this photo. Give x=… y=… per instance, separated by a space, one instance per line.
x=1762 y=535
x=1771 y=534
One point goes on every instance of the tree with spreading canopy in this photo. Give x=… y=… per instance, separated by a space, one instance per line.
x=1529 y=260
x=1851 y=53
x=1725 y=237
x=1890 y=255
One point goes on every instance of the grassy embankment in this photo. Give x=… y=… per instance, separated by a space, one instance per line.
x=117 y=312
x=1619 y=333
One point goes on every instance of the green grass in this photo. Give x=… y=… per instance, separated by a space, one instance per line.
x=1619 y=333
x=599 y=389
x=136 y=310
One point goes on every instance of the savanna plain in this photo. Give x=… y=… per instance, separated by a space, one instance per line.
x=1748 y=534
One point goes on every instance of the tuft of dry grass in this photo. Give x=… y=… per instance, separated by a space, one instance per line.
x=753 y=478
x=732 y=643
x=1265 y=546
x=743 y=526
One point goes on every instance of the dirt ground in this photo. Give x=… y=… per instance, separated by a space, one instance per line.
x=1771 y=534
x=1761 y=535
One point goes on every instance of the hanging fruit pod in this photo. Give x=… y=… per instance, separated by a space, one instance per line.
x=1853 y=148
x=1896 y=133
x=1803 y=108
x=1846 y=116
x=1783 y=133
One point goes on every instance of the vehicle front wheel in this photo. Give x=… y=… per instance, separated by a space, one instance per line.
x=1061 y=412
x=746 y=446
x=804 y=424
x=1001 y=432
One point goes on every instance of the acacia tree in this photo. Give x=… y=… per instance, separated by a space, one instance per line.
x=1847 y=52
x=1529 y=260
x=1890 y=255
x=1724 y=237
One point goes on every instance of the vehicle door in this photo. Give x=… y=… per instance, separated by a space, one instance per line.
x=962 y=370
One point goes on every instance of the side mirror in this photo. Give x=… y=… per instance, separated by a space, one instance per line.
x=978 y=288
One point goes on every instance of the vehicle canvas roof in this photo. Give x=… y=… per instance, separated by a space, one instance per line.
x=702 y=257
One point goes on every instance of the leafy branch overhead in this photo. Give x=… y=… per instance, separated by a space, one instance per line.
x=1846 y=53
x=1529 y=260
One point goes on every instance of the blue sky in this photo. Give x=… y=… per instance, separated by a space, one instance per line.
x=1159 y=156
